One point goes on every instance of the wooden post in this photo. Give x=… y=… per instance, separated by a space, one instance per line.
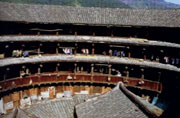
x=142 y=76
x=57 y=33
x=91 y=89
x=112 y=35
x=38 y=33
x=22 y=48
x=144 y=57
x=39 y=49
x=4 y=77
x=94 y=34
x=75 y=70
x=92 y=72
x=75 y=33
x=7 y=69
x=144 y=52
x=110 y=53
x=109 y=72
x=75 y=50
x=127 y=74
x=57 y=49
x=57 y=67
x=93 y=50
x=129 y=53
x=39 y=68
x=159 y=79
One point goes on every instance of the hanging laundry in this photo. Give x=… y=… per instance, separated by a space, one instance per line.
x=17 y=53
x=71 y=52
x=25 y=53
x=118 y=53
x=157 y=58
x=122 y=54
x=85 y=51
x=166 y=59
x=66 y=50
x=177 y=61
x=152 y=57
x=14 y=53
x=173 y=60
x=115 y=53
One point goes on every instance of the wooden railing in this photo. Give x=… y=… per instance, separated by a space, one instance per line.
x=48 y=78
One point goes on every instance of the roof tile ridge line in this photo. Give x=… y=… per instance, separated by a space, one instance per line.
x=139 y=104
x=96 y=97
x=84 y=100
x=28 y=114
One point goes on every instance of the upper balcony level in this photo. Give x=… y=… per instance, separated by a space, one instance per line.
x=133 y=48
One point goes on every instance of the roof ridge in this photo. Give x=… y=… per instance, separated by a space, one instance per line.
x=154 y=112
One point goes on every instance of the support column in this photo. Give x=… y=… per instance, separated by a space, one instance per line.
x=110 y=53
x=22 y=48
x=127 y=75
x=75 y=70
x=144 y=52
x=75 y=50
x=109 y=72
x=39 y=49
x=57 y=48
x=129 y=53
x=93 y=50
x=39 y=69
x=7 y=69
x=4 y=77
x=112 y=35
x=92 y=72
x=75 y=33
x=159 y=79
x=38 y=33
x=142 y=77
x=94 y=34
x=91 y=89
x=57 y=67
x=22 y=71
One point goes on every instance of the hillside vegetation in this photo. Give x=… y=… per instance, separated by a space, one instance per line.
x=157 y=4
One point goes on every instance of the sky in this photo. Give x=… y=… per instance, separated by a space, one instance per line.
x=173 y=1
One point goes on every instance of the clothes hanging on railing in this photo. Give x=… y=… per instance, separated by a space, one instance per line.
x=85 y=51
x=67 y=50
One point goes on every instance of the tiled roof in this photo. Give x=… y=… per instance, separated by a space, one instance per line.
x=114 y=104
x=89 y=15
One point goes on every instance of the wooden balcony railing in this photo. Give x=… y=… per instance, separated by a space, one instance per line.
x=79 y=77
